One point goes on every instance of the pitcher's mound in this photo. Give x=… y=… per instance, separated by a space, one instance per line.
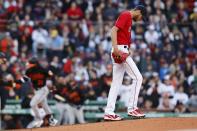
x=149 y=124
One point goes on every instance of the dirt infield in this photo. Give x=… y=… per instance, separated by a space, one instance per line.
x=149 y=124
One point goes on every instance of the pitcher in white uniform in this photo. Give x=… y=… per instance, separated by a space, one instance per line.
x=121 y=40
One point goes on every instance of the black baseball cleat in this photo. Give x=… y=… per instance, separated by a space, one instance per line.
x=52 y=121
x=49 y=120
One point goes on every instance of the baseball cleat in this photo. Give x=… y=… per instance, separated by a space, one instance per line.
x=49 y=120
x=136 y=113
x=52 y=122
x=112 y=117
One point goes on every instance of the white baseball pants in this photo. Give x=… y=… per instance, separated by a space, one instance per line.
x=75 y=113
x=63 y=111
x=118 y=73
x=40 y=97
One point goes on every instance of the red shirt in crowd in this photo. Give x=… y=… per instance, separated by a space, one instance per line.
x=75 y=13
x=68 y=66
x=124 y=24
x=6 y=46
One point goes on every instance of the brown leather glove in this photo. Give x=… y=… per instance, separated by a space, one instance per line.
x=121 y=58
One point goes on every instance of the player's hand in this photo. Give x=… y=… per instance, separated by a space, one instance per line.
x=116 y=51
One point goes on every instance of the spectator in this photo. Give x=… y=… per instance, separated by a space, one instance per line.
x=153 y=95
x=94 y=84
x=166 y=88
x=159 y=4
x=151 y=36
x=55 y=65
x=192 y=79
x=55 y=44
x=192 y=103
x=2 y=11
x=68 y=65
x=164 y=68
x=175 y=37
x=124 y=92
x=168 y=53
x=25 y=40
x=106 y=79
x=81 y=72
x=180 y=96
x=181 y=108
x=40 y=38
x=74 y=12
x=193 y=16
x=165 y=103
x=7 y=45
x=11 y=6
x=110 y=12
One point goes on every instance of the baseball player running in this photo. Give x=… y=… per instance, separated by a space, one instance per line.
x=39 y=79
x=121 y=40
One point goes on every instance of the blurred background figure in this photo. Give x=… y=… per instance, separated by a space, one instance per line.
x=75 y=98
x=40 y=40
x=125 y=90
x=55 y=44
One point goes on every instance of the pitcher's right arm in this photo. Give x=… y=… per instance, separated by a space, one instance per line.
x=114 y=31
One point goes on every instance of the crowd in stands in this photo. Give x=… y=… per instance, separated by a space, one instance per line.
x=72 y=38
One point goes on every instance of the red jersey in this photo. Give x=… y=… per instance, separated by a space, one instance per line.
x=124 y=23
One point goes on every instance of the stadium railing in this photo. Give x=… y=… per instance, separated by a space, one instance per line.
x=13 y=107
x=93 y=110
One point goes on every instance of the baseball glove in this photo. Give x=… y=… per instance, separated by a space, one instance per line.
x=121 y=58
